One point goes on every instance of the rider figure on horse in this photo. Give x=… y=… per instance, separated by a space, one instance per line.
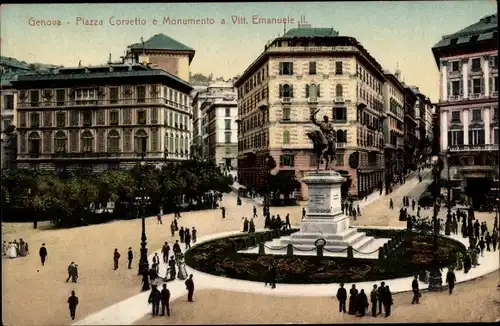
x=327 y=131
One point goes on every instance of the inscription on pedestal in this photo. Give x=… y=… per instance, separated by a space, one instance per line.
x=319 y=200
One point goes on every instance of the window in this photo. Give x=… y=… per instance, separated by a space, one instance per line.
x=286 y=114
x=141 y=141
x=339 y=90
x=60 y=97
x=286 y=90
x=186 y=122
x=476 y=137
x=476 y=86
x=340 y=114
x=87 y=141
x=113 y=117
x=34 y=98
x=476 y=115
x=141 y=117
x=228 y=137
x=9 y=102
x=228 y=112
x=455 y=88
x=141 y=94
x=60 y=142
x=35 y=120
x=339 y=159
x=286 y=137
x=495 y=84
x=312 y=68
x=227 y=124
x=6 y=124
x=286 y=68
x=87 y=118
x=86 y=96
x=455 y=116
x=286 y=160
x=61 y=119
x=113 y=95
x=338 y=68
x=476 y=64
x=455 y=66
x=312 y=92
x=34 y=144
x=170 y=119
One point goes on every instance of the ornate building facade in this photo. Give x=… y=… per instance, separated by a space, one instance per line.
x=468 y=106
x=394 y=100
x=304 y=71
x=102 y=117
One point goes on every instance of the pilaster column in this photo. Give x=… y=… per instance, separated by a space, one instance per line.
x=466 y=126
x=487 y=130
x=465 y=77
x=444 y=130
x=444 y=80
x=486 y=72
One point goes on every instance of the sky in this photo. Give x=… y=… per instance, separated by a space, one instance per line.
x=396 y=33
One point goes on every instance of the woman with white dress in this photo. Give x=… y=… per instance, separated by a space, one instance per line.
x=12 y=251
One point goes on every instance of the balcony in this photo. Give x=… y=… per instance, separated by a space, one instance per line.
x=476 y=96
x=262 y=104
x=312 y=100
x=467 y=148
x=339 y=100
x=287 y=100
x=494 y=94
x=341 y=145
x=102 y=102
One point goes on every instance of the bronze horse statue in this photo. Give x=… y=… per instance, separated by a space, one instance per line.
x=321 y=150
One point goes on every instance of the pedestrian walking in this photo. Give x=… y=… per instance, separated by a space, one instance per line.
x=451 y=280
x=494 y=240
x=194 y=234
x=487 y=239
x=482 y=245
x=187 y=238
x=73 y=303
x=172 y=229
x=254 y=211
x=43 y=254
x=223 y=210
x=387 y=301
x=381 y=291
x=415 y=290
x=130 y=256
x=165 y=250
x=342 y=297
x=159 y=219
x=165 y=300
x=373 y=300
x=391 y=204
x=190 y=287
x=303 y=212
x=116 y=256
x=154 y=299
x=287 y=222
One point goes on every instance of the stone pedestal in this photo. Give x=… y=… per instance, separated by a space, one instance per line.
x=324 y=218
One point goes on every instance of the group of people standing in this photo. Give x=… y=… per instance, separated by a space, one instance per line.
x=15 y=249
x=348 y=208
x=380 y=296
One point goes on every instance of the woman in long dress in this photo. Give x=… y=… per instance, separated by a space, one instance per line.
x=12 y=252
x=353 y=300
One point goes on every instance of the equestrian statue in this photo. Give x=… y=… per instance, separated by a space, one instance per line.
x=323 y=141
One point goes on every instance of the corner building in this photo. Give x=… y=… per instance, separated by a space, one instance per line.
x=468 y=107
x=305 y=70
x=102 y=117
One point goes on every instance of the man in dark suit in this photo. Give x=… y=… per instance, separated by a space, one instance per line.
x=73 y=302
x=381 y=290
x=373 y=299
x=43 y=254
x=190 y=288
x=165 y=300
x=342 y=297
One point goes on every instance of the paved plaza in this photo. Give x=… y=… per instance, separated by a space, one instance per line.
x=113 y=297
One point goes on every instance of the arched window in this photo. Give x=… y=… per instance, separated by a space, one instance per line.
x=87 y=141
x=181 y=146
x=186 y=144
x=176 y=144
x=286 y=137
x=141 y=141
x=287 y=91
x=34 y=143
x=339 y=90
x=113 y=141
x=313 y=92
x=60 y=140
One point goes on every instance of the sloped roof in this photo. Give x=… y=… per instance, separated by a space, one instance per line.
x=485 y=29
x=311 y=32
x=161 y=42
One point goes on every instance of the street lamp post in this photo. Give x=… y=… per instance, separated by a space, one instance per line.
x=435 y=277
x=143 y=261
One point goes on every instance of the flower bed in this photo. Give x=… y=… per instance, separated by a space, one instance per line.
x=415 y=253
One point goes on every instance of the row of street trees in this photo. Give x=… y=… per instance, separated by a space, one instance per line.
x=68 y=198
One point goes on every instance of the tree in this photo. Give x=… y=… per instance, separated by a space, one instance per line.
x=283 y=183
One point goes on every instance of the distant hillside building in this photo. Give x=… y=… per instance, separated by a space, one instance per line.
x=164 y=52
